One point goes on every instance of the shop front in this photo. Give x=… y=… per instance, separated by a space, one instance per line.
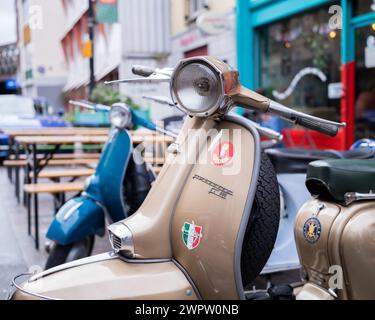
x=316 y=56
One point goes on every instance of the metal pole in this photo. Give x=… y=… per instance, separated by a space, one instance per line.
x=91 y=25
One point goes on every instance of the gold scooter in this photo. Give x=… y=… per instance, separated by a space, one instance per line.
x=335 y=231
x=209 y=223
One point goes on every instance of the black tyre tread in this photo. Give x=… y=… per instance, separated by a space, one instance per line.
x=263 y=223
x=59 y=253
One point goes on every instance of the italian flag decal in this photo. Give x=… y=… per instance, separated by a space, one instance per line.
x=191 y=235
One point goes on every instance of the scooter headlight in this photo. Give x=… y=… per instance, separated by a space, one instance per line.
x=120 y=115
x=197 y=86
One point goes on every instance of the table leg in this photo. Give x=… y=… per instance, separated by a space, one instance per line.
x=10 y=146
x=36 y=204
x=17 y=173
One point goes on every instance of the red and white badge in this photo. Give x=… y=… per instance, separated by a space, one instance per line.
x=222 y=154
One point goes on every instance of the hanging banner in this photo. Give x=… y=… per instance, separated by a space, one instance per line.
x=106 y=11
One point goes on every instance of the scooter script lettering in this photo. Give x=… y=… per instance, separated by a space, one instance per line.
x=162 y=311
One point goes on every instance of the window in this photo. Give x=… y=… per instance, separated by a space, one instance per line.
x=365 y=83
x=363 y=6
x=195 y=7
x=300 y=64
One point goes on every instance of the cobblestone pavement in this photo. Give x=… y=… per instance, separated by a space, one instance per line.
x=17 y=251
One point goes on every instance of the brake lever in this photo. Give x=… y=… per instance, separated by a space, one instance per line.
x=267 y=132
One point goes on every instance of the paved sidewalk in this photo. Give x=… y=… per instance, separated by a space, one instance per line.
x=17 y=251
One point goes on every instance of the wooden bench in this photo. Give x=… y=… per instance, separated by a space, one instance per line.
x=61 y=187
x=64 y=173
x=19 y=164
x=52 y=162
x=14 y=163
x=58 y=190
x=63 y=156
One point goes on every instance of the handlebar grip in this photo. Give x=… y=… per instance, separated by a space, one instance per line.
x=143 y=71
x=325 y=128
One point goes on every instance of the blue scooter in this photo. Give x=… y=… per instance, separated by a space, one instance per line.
x=116 y=190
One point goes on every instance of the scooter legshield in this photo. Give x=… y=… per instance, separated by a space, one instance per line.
x=106 y=276
x=77 y=219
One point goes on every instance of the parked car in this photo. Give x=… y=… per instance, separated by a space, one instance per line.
x=20 y=112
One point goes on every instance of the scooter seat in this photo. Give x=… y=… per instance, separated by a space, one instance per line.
x=332 y=179
x=287 y=160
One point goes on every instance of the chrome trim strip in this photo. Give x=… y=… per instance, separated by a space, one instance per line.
x=351 y=197
x=249 y=201
x=139 y=261
x=15 y=285
x=100 y=257
x=72 y=210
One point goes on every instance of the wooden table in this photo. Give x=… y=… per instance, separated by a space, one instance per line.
x=64 y=131
x=35 y=164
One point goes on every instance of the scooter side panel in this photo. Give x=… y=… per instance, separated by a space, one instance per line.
x=112 y=279
x=209 y=212
x=351 y=247
x=150 y=225
x=312 y=233
x=342 y=256
x=78 y=218
x=106 y=186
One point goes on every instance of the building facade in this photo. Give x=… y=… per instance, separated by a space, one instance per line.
x=42 y=69
x=203 y=27
x=175 y=29
x=316 y=56
x=107 y=49
x=146 y=39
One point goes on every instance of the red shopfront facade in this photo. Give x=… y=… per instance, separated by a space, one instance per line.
x=315 y=56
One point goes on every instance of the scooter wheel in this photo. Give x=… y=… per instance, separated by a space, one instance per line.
x=60 y=254
x=263 y=223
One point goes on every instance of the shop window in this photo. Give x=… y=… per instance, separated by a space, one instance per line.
x=363 y=6
x=301 y=64
x=365 y=83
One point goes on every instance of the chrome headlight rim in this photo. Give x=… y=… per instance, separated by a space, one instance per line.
x=122 y=110
x=222 y=100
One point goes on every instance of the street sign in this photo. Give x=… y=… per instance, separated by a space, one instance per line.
x=106 y=11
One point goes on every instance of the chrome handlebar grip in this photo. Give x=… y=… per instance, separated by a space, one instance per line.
x=142 y=71
x=323 y=126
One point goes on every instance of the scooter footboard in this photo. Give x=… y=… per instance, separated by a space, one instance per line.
x=77 y=219
x=103 y=277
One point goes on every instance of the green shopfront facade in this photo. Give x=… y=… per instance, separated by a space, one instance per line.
x=317 y=56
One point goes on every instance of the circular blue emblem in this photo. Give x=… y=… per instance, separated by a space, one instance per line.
x=312 y=230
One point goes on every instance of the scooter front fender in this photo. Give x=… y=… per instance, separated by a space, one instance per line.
x=77 y=219
x=106 y=276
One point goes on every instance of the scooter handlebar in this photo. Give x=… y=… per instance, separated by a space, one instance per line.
x=323 y=126
x=90 y=105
